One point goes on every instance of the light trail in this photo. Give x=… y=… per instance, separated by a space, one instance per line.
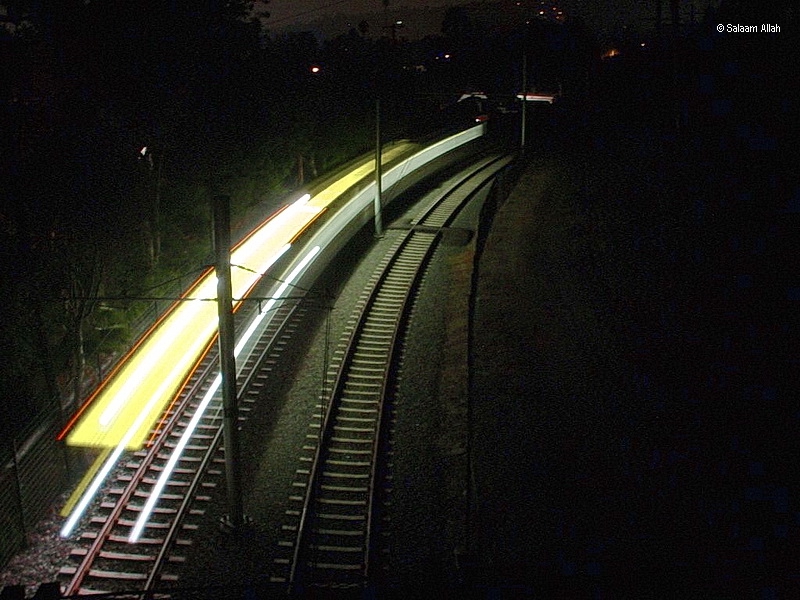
x=94 y=487
x=112 y=459
x=166 y=472
x=125 y=441
x=159 y=365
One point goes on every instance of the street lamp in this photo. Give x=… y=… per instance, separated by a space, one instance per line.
x=154 y=242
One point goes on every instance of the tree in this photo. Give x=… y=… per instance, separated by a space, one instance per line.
x=85 y=272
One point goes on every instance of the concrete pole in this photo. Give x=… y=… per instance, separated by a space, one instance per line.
x=378 y=171
x=222 y=252
x=524 y=98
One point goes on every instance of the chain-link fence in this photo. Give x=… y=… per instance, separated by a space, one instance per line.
x=33 y=471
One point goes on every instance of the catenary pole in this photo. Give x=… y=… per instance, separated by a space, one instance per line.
x=524 y=97
x=222 y=251
x=378 y=171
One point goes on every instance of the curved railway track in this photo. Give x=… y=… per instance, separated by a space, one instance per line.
x=333 y=520
x=332 y=524
x=105 y=561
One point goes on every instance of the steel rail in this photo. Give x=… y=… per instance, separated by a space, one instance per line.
x=249 y=372
x=197 y=471
x=95 y=549
x=409 y=255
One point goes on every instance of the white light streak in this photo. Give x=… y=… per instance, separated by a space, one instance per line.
x=166 y=472
x=93 y=488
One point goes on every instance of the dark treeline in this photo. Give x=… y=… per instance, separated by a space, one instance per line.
x=221 y=106
x=85 y=213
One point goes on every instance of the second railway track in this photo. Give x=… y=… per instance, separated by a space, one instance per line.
x=332 y=524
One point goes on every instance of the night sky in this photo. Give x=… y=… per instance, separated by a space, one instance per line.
x=288 y=11
x=605 y=16
x=329 y=18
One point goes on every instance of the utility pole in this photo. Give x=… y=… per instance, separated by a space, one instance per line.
x=675 y=15
x=230 y=411
x=658 y=19
x=378 y=171
x=524 y=97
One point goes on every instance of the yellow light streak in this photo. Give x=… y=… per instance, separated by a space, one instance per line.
x=152 y=375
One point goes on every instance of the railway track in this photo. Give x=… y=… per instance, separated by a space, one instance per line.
x=105 y=560
x=334 y=518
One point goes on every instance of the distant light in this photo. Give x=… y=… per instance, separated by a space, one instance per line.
x=530 y=97
x=143 y=151
x=398 y=22
x=314 y=68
